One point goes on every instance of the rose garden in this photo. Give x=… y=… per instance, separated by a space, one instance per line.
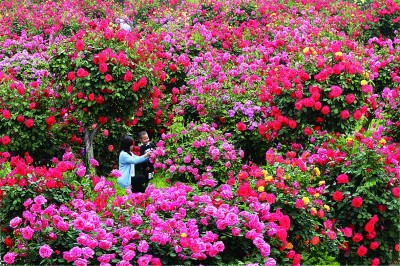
x=276 y=124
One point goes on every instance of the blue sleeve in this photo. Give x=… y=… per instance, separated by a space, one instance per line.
x=126 y=158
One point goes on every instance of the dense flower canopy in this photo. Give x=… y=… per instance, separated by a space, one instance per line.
x=275 y=122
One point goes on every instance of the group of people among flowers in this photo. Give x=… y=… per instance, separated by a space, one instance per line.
x=131 y=179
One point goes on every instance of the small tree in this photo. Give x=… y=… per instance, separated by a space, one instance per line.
x=101 y=80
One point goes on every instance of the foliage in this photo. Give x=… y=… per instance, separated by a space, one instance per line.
x=357 y=169
x=196 y=153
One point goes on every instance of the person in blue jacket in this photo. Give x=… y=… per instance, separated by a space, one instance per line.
x=127 y=160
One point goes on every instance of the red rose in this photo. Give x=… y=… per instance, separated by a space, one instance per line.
x=307 y=131
x=8 y=241
x=374 y=245
x=375 y=262
x=371 y=235
x=350 y=98
x=103 y=68
x=344 y=114
x=50 y=121
x=342 y=179
x=241 y=126
x=108 y=78
x=369 y=227
x=357 y=202
x=29 y=123
x=142 y=82
x=20 y=118
x=79 y=45
x=337 y=196
x=91 y=97
x=103 y=120
x=82 y=73
x=173 y=67
x=99 y=99
x=362 y=250
x=357 y=115
x=396 y=192
x=128 y=76
x=5 y=140
x=71 y=75
x=6 y=114
x=317 y=105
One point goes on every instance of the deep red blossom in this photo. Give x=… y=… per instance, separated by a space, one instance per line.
x=6 y=114
x=20 y=118
x=103 y=68
x=373 y=245
x=396 y=192
x=342 y=179
x=337 y=196
x=71 y=75
x=241 y=126
x=108 y=78
x=128 y=76
x=91 y=97
x=99 y=99
x=357 y=202
x=357 y=115
x=325 y=110
x=344 y=114
x=29 y=123
x=8 y=241
x=369 y=227
x=50 y=121
x=362 y=251
x=350 y=98
x=103 y=120
x=82 y=73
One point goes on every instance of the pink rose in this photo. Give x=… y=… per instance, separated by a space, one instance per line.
x=45 y=251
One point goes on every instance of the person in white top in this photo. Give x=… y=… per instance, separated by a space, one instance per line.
x=127 y=160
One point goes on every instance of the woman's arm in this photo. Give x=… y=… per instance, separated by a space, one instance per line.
x=126 y=158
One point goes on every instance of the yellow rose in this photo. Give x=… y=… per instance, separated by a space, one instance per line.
x=382 y=141
x=363 y=82
x=327 y=207
x=306 y=50
x=268 y=178
x=317 y=172
x=317 y=195
x=321 y=183
x=306 y=200
x=260 y=189
x=183 y=235
x=339 y=54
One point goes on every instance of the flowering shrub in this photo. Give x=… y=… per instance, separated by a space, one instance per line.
x=292 y=188
x=363 y=176
x=88 y=227
x=277 y=121
x=196 y=153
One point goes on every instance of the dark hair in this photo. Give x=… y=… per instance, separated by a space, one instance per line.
x=142 y=133
x=126 y=143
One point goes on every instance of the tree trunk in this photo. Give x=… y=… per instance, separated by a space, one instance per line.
x=89 y=136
